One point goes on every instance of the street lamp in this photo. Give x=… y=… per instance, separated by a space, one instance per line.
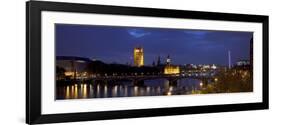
x=201 y=84
x=216 y=79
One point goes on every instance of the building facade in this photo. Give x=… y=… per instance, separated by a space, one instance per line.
x=72 y=67
x=138 y=57
x=243 y=63
x=169 y=68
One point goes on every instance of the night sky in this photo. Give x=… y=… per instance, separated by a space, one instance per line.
x=112 y=44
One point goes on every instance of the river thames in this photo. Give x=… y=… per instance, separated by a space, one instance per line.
x=159 y=87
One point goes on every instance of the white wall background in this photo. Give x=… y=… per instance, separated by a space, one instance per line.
x=12 y=67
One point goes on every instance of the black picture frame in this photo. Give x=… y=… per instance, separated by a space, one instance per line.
x=33 y=61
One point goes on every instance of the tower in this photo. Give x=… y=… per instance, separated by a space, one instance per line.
x=169 y=68
x=168 y=60
x=138 y=57
x=158 y=61
x=229 y=59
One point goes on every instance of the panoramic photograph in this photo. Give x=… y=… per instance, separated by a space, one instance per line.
x=98 y=61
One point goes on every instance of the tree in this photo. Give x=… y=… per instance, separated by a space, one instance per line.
x=231 y=81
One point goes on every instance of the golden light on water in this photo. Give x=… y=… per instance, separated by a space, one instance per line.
x=67 y=95
x=75 y=91
x=85 y=91
x=72 y=91
x=169 y=93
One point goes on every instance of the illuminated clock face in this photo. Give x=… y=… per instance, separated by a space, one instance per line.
x=168 y=60
x=137 y=50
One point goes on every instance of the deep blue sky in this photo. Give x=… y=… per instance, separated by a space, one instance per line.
x=113 y=44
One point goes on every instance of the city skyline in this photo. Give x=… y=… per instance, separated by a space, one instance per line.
x=112 y=44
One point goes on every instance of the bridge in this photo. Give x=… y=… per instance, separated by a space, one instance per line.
x=139 y=79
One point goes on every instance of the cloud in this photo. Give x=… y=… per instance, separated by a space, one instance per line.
x=197 y=34
x=138 y=33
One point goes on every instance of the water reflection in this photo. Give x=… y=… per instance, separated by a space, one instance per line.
x=126 y=89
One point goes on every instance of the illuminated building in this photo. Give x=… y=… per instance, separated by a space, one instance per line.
x=69 y=73
x=168 y=60
x=138 y=57
x=243 y=63
x=72 y=67
x=214 y=66
x=170 y=69
x=206 y=66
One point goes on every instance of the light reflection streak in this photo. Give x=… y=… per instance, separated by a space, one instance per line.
x=126 y=91
x=84 y=91
x=67 y=93
x=76 y=91
x=98 y=90
x=135 y=90
x=91 y=91
x=105 y=91
x=72 y=91
x=114 y=91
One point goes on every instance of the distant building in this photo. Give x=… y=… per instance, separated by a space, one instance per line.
x=169 y=68
x=214 y=66
x=168 y=60
x=158 y=61
x=205 y=66
x=243 y=63
x=72 y=67
x=138 y=57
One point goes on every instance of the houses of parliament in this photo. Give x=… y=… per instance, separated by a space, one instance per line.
x=168 y=68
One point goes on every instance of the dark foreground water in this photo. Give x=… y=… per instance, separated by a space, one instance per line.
x=126 y=89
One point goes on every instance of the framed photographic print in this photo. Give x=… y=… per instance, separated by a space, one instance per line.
x=95 y=62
